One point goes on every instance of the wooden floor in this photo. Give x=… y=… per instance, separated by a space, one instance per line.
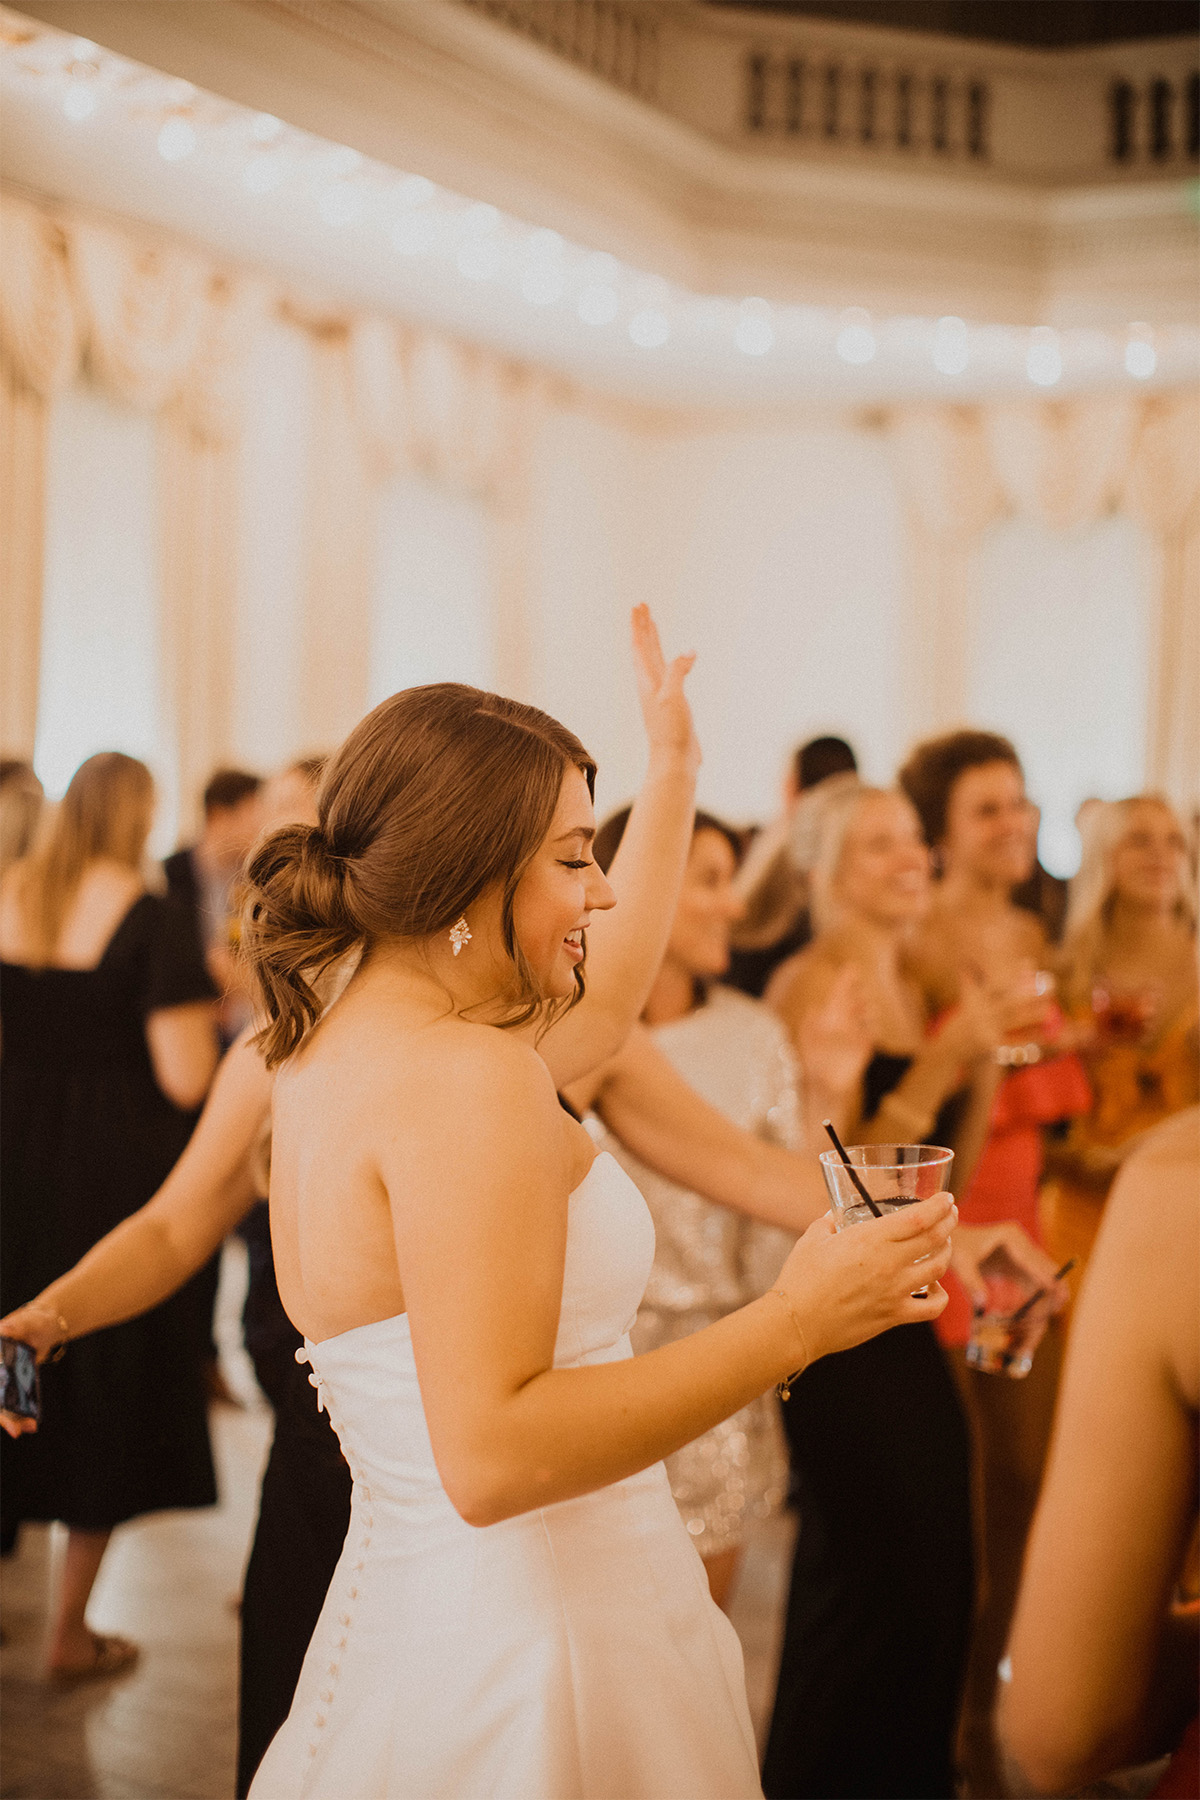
x=167 y=1730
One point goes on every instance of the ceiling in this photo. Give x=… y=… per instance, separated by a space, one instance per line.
x=1039 y=24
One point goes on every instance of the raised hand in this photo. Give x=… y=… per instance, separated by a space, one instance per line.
x=834 y=1038
x=670 y=731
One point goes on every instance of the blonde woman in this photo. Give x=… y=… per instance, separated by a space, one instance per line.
x=1128 y=975
x=109 y=1034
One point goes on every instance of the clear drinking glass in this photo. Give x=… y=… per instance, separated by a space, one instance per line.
x=894 y=1175
x=1007 y=1330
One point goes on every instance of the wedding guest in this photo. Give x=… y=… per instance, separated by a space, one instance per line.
x=21 y=801
x=969 y=790
x=709 y=1260
x=882 y=1588
x=1128 y=976
x=1101 y=1666
x=202 y=875
x=1043 y=894
x=109 y=1032
x=773 y=885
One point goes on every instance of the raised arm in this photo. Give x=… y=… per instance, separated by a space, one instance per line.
x=480 y=1221
x=651 y=1108
x=150 y=1255
x=626 y=946
x=1098 y=1680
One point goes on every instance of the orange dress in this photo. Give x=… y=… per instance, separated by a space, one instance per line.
x=1136 y=1087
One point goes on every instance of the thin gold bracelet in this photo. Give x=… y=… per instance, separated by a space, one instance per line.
x=784 y=1387
x=56 y=1351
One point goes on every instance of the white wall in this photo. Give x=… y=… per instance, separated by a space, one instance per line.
x=99 y=684
x=776 y=554
x=1058 y=658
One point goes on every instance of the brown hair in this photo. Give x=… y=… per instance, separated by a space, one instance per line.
x=106 y=812
x=933 y=768
x=439 y=794
x=608 y=838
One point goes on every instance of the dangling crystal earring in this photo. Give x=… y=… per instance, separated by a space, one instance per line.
x=460 y=933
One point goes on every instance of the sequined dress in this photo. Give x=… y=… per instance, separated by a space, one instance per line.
x=710 y=1260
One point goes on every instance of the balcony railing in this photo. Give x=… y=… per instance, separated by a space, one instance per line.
x=867 y=104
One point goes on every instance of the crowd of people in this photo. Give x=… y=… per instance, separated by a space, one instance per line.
x=457 y=1262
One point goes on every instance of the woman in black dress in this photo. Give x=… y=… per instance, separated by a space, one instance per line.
x=882 y=1591
x=109 y=1039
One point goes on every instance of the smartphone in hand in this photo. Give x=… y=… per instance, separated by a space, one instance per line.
x=20 y=1388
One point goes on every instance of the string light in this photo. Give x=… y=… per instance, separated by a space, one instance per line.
x=481 y=244
x=177 y=139
x=649 y=328
x=754 y=333
x=855 y=339
x=1043 y=358
x=1141 y=358
x=263 y=174
x=79 y=101
x=951 y=345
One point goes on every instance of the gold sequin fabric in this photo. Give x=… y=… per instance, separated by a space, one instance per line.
x=709 y=1260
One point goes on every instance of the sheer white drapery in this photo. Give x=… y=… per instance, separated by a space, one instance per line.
x=1066 y=463
x=164 y=329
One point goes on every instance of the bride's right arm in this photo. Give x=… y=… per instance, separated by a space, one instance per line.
x=477 y=1173
x=150 y=1255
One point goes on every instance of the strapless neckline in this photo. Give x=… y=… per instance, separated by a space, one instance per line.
x=339 y=1337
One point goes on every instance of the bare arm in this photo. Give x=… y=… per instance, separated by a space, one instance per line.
x=479 y=1204
x=650 y=1108
x=184 y=1050
x=626 y=946
x=1120 y=1493
x=150 y=1255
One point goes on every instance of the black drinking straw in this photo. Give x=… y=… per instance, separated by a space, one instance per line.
x=851 y=1171
x=1040 y=1292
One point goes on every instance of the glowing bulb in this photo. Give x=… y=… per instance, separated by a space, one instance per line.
x=264 y=174
x=340 y=205
x=83 y=50
x=176 y=140
x=754 y=332
x=79 y=101
x=415 y=190
x=855 y=339
x=951 y=350
x=480 y=219
x=543 y=246
x=343 y=160
x=543 y=284
x=1141 y=358
x=180 y=92
x=649 y=328
x=598 y=304
x=478 y=259
x=266 y=128
x=413 y=234
x=1043 y=358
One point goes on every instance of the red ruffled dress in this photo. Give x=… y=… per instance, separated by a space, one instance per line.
x=1009 y=1171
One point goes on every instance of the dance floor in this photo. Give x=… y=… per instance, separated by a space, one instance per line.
x=167 y=1730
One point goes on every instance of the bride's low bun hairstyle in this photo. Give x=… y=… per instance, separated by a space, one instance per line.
x=439 y=795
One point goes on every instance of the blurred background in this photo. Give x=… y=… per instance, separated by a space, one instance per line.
x=348 y=344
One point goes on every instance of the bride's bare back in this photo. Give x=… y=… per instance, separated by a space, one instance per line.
x=380 y=1095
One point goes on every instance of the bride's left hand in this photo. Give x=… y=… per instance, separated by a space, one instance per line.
x=670 y=730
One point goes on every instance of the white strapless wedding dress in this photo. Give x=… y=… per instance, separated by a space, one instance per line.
x=571 y=1653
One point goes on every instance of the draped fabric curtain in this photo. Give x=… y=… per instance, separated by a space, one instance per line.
x=39 y=355
x=162 y=328
x=1067 y=464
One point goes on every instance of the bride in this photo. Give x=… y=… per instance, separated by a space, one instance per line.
x=518 y=1612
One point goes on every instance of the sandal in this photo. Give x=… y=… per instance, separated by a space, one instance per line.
x=113 y=1656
